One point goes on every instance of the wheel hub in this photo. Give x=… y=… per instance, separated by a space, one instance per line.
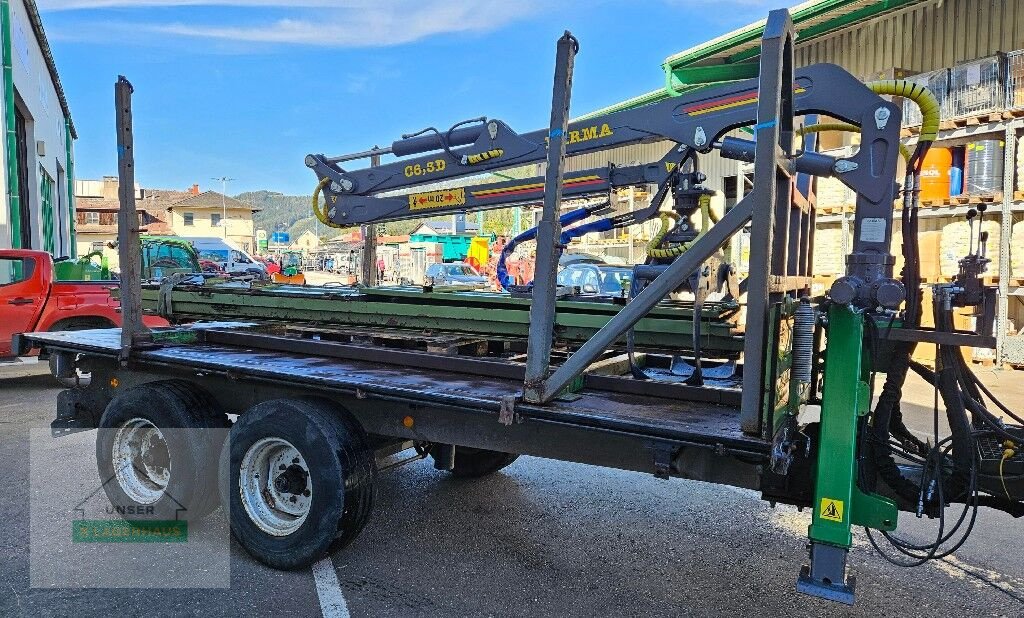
x=142 y=461
x=274 y=485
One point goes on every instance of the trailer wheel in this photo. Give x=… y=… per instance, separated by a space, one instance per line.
x=299 y=477
x=155 y=454
x=471 y=463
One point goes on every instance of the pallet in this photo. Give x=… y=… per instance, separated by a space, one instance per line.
x=986 y=280
x=984 y=198
x=835 y=209
x=973 y=120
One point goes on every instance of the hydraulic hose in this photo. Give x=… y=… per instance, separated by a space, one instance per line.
x=322 y=216
x=844 y=127
x=917 y=93
x=707 y=217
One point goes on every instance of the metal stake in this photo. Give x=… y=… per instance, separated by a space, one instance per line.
x=369 y=233
x=542 y=309
x=133 y=330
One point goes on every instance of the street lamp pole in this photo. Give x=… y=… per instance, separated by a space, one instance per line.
x=224 y=180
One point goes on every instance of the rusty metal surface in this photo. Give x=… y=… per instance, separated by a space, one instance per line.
x=703 y=423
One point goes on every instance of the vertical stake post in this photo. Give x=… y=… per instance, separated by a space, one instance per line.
x=369 y=232
x=129 y=245
x=542 y=307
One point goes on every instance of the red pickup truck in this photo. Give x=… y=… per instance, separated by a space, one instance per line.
x=32 y=300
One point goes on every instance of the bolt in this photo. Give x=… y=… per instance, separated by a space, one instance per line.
x=335 y=187
x=699 y=137
x=881 y=117
x=842 y=166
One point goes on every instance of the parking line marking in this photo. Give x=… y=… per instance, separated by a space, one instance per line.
x=332 y=602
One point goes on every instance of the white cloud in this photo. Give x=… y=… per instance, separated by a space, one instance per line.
x=325 y=23
x=72 y=5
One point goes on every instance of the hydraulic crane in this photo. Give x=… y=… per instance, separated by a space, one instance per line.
x=851 y=465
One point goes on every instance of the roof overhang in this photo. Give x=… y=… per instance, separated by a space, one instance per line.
x=733 y=55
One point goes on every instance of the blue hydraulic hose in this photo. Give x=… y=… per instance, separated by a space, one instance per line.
x=502 y=272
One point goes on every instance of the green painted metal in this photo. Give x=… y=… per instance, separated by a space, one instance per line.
x=482 y=314
x=11 y=149
x=46 y=209
x=715 y=73
x=755 y=31
x=838 y=503
x=69 y=172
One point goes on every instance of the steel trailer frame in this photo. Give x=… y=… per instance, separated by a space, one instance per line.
x=664 y=429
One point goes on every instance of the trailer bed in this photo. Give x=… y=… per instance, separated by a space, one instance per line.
x=713 y=422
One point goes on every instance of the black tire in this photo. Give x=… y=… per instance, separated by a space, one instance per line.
x=472 y=463
x=178 y=408
x=341 y=476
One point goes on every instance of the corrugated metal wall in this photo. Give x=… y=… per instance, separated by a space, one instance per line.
x=924 y=37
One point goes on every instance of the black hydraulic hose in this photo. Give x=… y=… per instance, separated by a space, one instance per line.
x=992 y=397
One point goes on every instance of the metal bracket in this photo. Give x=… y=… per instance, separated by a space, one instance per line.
x=664 y=455
x=507 y=412
x=826 y=576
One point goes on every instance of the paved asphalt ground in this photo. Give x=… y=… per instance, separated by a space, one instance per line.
x=542 y=538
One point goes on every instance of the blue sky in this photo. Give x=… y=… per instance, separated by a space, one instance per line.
x=246 y=88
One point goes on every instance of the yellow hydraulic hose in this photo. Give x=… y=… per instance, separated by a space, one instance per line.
x=706 y=217
x=920 y=95
x=845 y=127
x=322 y=216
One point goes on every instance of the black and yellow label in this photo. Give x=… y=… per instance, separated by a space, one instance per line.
x=437 y=199
x=588 y=133
x=474 y=159
x=831 y=509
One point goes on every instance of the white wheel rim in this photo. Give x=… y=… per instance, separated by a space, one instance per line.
x=142 y=462
x=274 y=484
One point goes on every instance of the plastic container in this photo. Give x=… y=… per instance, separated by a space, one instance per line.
x=935 y=174
x=984 y=167
x=956 y=171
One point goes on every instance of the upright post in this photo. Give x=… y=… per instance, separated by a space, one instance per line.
x=129 y=246
x=542 y=309
x=772 y=172
x=369 y=232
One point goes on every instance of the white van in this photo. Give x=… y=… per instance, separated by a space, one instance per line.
x=231 y=259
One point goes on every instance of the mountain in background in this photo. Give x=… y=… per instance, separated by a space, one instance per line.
x=294 y=214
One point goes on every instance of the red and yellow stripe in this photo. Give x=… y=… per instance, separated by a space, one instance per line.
x=535 y=187
x=736 y=100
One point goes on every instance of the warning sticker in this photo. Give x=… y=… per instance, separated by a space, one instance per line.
x=831 y=509
x=437 y=199
x=872 y=229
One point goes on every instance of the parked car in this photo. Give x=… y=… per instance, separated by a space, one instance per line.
x=32 y=299
x=454 y=273
x=597 y=279
x=234 y=262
